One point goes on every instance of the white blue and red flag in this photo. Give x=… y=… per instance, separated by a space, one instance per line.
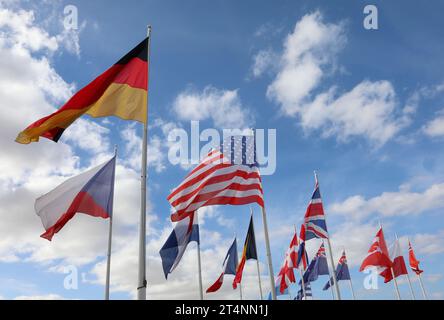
x=230 y=264
x=184 y=232
x=314 y=220
x=90 y=193
x=302 y=258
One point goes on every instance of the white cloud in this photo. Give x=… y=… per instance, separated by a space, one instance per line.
x=223 y=107
x=399 y=203
x=368 y=110
x=264 y=62
x=435 y=127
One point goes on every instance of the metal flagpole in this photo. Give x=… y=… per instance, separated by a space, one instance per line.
x=335 y=282
x=420 y=282
x=407 y=274
x=270 y=263
x=331 y=277
x=351 y=288
x=199 y=263
x=300 y=271
x=240 y=284
x=257 y=260
x=240 y=291
x=110 y=237
x=141 y=288
x=422 y=287
x=398 y=295
x=350 y=280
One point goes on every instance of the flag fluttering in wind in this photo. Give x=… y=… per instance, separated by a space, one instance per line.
x=229 y=175
x=314 y=220
x=285 y=277
x=120 y=91
x=414 y=263
x=249 y=252
x=342 y=272
x=286 y=274
x=89 y=193
x=398 y=264
x=230 y=264
x=318 y=266
x=378 y=255
x=172 y=251
x=302 y=259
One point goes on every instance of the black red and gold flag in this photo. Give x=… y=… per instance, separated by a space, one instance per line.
x=120 y=91
x=249 y=252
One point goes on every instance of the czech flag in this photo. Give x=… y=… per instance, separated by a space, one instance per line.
x=91 y=193
x=120 y=91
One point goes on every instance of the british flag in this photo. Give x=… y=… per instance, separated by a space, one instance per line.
x=229 y=175
x=314 y=219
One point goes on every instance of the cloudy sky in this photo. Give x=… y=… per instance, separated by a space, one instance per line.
x=365 y=108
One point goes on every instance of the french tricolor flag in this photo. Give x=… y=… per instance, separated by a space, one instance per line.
x=89 y=193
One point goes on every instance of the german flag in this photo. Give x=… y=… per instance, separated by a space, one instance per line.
x=249 y=252
x=120 y=91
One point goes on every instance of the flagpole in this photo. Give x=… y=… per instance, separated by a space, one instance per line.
x=257 y=260
x=420 y=279
x=300 y=271
x=240 y=291
x=350 y=280
x=110 y=237
x=141 y=288
x=398 y=295
x=330 y=278
x=407 y=274
x=351 y=288
x=199 y=265
x=270 y=263
x=335 y=282
x=422 y=287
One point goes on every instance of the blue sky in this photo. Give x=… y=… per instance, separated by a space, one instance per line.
x=365 y=108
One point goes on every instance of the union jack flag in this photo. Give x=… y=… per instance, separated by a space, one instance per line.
x=314 y=220
x=228 y=175
x=302 y=253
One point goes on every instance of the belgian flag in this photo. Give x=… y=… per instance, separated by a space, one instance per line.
x=120 y=91
x=249 y=252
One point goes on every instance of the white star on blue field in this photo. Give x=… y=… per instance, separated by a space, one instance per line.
x=364 y=108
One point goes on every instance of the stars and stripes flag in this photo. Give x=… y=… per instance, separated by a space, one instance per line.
x=228 y=175
x=314 y=219
x=308 y=294
x=414 y=263
x=378 y=255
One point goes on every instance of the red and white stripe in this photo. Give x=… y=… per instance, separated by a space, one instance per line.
x=216 y=181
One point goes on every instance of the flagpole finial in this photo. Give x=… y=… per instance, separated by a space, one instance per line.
x=149 y=30
x=115 y=150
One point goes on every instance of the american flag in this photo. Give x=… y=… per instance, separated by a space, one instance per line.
x=228 y=175
x=314 y=217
